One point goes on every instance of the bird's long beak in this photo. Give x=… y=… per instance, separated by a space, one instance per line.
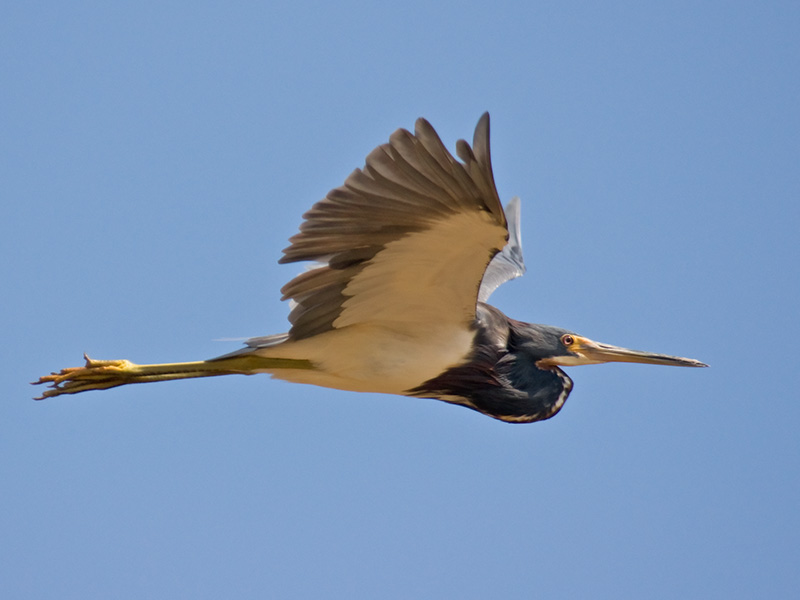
x=588 y=352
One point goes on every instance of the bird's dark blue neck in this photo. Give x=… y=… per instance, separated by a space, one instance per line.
x=500 y=378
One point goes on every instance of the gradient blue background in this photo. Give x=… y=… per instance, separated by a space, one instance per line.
x=155 y=158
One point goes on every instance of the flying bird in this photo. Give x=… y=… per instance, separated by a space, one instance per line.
x=404 y=257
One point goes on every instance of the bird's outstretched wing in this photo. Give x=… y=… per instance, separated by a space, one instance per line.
x=405 y=241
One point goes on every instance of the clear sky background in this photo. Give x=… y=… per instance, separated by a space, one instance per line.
x=154 y=159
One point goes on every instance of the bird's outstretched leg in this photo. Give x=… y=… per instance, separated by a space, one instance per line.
x=104 y=374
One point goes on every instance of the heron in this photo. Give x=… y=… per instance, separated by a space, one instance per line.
x=403 y=259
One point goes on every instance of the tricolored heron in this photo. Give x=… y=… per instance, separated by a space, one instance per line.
x=404 y=257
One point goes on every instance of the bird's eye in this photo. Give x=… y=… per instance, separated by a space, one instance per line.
x=567 y=339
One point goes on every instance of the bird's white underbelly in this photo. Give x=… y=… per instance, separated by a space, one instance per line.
x=371 y=358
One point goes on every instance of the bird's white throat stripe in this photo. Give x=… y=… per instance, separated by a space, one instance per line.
x=562 y=397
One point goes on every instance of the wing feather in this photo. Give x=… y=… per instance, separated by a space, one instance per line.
x=405 y=240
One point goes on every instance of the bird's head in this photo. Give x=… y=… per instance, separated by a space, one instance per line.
x=552 y=346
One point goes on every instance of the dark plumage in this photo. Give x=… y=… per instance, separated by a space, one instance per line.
x=500 y=378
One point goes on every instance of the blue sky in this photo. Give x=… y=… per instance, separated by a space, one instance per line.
x=155 y=158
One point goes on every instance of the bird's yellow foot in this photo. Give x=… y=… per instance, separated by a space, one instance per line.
x=94 y=375
x=104 y=374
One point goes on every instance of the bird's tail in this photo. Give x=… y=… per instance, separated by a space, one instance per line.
x=104 y=374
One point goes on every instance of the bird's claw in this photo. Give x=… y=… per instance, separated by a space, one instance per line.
x=94 y=375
